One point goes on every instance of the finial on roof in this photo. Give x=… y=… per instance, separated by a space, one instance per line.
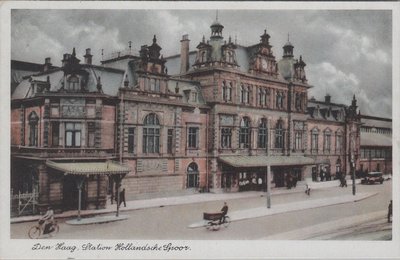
x=216 y=16
x=230 y=39
x=73 y=52
x=288 y=37
x=204 y=39
x=235 y=39
x=154 y=39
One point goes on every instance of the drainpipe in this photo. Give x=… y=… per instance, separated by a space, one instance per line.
x=207 y=170
x=121 y=131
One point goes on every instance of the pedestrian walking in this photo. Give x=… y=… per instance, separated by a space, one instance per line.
x=288 y=181
x=122 y=197
x=343 y=182
x=390 y=212
x=308 y=189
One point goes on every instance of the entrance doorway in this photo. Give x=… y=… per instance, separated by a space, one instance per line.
x=192 y=176
x=70 y=194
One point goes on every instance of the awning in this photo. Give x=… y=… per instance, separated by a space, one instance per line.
x=241 y=161
x=89 y=168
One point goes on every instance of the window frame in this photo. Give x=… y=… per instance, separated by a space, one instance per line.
x=226 y=137
x=262 y=140
x=75 y=135
x=151 y=134
x=245 y=133
x=193 y=137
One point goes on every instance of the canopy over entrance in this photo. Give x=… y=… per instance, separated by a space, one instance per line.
x=241 y=161
x=80 y=171
x=89 y=168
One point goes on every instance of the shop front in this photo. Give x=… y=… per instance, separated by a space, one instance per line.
x=250 y=173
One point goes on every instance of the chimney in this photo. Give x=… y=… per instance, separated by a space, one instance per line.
x=185 y=54
x=88 y=57
x=327 y=99
x=47 y=64
x=66 y=59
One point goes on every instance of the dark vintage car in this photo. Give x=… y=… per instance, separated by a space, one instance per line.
x=372 y=177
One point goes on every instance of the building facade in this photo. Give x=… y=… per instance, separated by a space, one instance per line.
x=375 y=145
x=215 y=119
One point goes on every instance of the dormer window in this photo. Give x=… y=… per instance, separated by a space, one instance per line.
x=73 y=83
x=194 y=97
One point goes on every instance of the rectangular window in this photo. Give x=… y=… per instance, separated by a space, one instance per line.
x=194 y=96
x=55 y=133
x=298 y=142
x=226 y=137
x=157 y=87
x=193 y=137
x=73 y=134
x=91 y=134
x=131 y=140
x=152 y=84
x=170 y=140
x=151 y=140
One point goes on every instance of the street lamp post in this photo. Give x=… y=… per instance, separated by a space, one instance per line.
x=268 y=186
x=353 y=175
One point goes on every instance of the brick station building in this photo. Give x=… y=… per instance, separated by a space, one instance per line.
x=218 y=119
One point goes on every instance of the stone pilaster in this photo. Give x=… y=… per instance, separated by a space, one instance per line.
x=44 y=188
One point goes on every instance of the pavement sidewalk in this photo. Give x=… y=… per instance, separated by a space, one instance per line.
x=180 y=200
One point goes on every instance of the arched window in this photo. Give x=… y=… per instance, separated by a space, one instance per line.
x=262 y=134
x=298 y=101
x=339 y=141
x=248 y=91
x=33 y=129
x=73 y=83
x=314 y=140
x=242 y=93
x=151 y=134
x=327 y=141
x=192 y=176
x=244 y=133
x=229 y=94
x=279 y=140
x=203 y=56
x=262 y=97
x=224 y=91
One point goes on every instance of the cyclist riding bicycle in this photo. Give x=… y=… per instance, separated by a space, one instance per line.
x=48 y=220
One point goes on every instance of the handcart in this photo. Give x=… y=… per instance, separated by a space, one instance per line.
x=213 y=220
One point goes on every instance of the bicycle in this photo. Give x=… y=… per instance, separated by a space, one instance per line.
x=37 y=230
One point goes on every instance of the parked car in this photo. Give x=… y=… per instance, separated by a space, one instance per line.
x=372 y=177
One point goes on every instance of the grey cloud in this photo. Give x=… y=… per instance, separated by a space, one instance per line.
x=311 y=31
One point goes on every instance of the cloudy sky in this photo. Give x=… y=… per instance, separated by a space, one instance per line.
x=347 y=51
